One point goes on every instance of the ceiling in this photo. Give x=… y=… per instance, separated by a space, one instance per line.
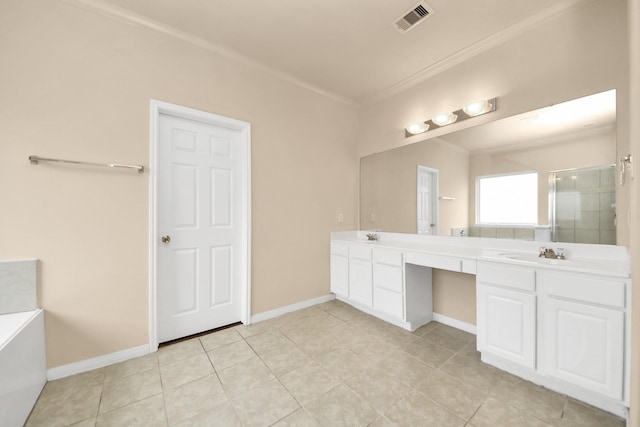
x=348 y=49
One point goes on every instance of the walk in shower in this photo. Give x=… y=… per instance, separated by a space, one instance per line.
x=582 y=205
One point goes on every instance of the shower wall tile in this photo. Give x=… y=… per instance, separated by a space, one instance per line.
x=590 y=202
x=505 y=233
x=18 y=282
x=587 y=236
x=608 y=237
x=608 y=178
x=607 y=201
x=587 y=179
x=607 y=221
x=588 y=220
x=489 y=232
x=524 y=234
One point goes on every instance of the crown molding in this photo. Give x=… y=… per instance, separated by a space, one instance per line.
x=124 y=15
x=481 y=46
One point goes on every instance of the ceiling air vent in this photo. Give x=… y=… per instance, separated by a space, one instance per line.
x=413 y=17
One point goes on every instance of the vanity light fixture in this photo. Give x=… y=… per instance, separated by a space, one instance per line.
x=472 y=109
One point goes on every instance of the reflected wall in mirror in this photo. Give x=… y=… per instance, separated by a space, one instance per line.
x=572 y=135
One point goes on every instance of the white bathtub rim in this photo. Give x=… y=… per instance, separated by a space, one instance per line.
x=12 y=323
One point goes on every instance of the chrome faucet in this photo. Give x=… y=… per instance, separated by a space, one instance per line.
x=550 y=253
x=372 y=236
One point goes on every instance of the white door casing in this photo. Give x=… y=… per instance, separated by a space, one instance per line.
x=199 y=196
x=427 y=200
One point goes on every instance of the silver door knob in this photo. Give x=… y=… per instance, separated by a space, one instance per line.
x=165 y=238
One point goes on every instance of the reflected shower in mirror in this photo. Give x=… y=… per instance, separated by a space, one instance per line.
x=582 y=205
x=578 y=134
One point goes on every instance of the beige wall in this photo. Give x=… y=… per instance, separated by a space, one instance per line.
x=634 y=185
x=388 y=186
x=75 y=84
x=578 y=53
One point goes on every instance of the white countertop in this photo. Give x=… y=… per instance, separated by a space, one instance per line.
x=584 y=258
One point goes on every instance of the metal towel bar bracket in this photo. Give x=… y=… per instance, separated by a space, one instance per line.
x=36 y=159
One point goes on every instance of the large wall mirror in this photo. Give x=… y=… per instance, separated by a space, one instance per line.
x=431 y=187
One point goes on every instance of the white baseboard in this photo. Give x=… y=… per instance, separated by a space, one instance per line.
x=266 y=315
x=454 y=323
x=96 y=362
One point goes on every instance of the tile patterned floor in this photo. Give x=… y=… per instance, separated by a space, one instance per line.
x=329 y=365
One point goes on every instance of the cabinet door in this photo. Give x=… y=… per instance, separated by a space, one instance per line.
x=340 y=275
x=361 y=281
x=391 y=303
x=583 y=345
x=507 y=324
x=388 y=277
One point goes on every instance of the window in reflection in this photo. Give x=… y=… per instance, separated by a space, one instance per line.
x=508 y=199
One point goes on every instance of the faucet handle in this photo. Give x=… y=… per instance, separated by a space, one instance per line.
x=543 y=251
x=560 y=253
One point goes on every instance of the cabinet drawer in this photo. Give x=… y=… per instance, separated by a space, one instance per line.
x=434 y=261
x=360 y=252
x=387 y=277
x=578 y=287
x=506 y=275
x=388 y=302
x=387 y=256
x=339 y=249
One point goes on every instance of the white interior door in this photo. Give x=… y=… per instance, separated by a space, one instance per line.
x=199 y=250
x=427 y=200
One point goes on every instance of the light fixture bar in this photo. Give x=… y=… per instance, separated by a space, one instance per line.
x=473 y=109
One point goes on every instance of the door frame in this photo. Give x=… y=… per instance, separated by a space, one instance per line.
x=160 y=107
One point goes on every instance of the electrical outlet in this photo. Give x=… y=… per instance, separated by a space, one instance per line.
x=372 y=217
x=340 y=218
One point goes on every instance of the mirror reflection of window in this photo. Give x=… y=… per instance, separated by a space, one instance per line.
x=508 y=199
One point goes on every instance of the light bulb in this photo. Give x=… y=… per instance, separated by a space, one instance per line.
x=444 y=119
x=416 y=128
x=476 y=108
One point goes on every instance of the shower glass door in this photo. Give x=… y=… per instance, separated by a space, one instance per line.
x=582 y=205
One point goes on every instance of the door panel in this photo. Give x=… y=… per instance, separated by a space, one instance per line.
x=584 y=345
x=221 y=195
x=198 y=276
x=221 y=272
x=507 y=324
x=186 y=276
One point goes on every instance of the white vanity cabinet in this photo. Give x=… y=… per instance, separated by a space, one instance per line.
x=340 y=269
x=378 y=281
x=506 y=312
x=388 y=282
x=563 y=324
x=361 y=274
x=582 y=332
